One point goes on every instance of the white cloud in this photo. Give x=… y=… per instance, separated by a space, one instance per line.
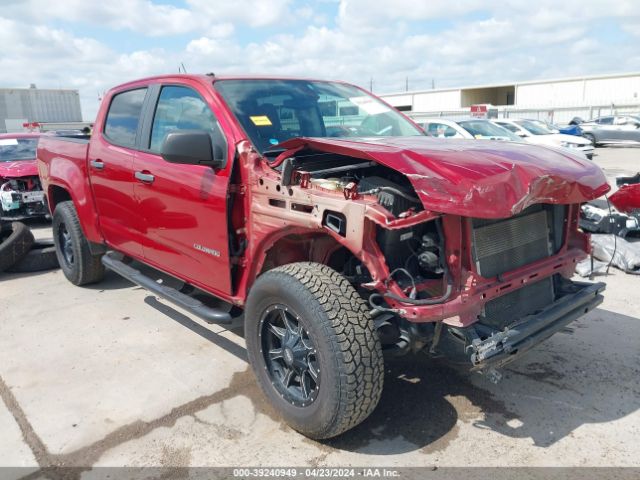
x=463 y=42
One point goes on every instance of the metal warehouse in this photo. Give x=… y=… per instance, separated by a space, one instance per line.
x=28 y=105
x=560 y=98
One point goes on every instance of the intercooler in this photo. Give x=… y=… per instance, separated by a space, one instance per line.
x=503 y=311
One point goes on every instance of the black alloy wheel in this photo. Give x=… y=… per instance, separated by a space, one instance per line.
x=290 y=355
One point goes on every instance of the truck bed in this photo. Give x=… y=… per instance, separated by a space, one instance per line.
x=72 y=148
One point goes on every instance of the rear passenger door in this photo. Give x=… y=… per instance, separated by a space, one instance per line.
x=183 y=206
x=111 y=154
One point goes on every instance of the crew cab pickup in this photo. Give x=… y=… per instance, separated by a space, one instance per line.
x=330 y=222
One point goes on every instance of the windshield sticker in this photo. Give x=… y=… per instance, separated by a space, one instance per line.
x=4 y=142
x=260 y=120
x=273 y=141
x=369 y=105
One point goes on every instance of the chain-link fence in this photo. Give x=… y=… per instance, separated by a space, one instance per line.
x=558 y=115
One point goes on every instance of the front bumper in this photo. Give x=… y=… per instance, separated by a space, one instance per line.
x=506 y=346
x=16 y=205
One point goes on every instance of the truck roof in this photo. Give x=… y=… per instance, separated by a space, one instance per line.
x=210 y=77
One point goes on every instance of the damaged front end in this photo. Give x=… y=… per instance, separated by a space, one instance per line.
x=22 y=198
x=464 y=251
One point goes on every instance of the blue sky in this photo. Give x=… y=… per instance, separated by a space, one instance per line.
x=92 y=46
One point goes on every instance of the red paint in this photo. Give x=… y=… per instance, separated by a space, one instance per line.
x=627 y=198
x=163 y=224
x=476 y=179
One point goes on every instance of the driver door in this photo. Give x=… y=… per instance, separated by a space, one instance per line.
x=184 y=206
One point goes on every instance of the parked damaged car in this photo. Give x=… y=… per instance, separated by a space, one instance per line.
x=620 y=214
x=329 y=224
x=21 y=194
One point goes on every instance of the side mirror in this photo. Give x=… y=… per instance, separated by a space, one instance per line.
x=194 y=147
x=520 y=133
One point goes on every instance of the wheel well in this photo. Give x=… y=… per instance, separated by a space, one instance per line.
x=56 y=195
x=309 y=247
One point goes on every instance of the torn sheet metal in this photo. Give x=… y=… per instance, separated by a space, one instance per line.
x=626 y=255
x=474 y=179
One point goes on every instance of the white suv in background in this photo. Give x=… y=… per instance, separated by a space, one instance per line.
x=536 y=132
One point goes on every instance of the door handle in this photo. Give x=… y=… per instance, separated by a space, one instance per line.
x=97 y=164
x=145 y=177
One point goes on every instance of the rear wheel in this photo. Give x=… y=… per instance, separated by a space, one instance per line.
x=72 y=248
x=313 y=347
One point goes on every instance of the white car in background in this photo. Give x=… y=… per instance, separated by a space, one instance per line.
x=536 y=132
x=470 y=128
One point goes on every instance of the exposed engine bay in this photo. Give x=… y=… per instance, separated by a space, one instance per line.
x=22 y=198
x=413 y=254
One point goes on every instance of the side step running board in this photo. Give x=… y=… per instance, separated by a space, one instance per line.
x=208 y=314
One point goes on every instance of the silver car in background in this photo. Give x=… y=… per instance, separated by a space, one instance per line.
x=612 y=129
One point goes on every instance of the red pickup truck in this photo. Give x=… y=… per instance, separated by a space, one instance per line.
x=330 y=222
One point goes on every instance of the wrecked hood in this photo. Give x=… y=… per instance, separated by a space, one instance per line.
x=19 y=168
x=483 y=179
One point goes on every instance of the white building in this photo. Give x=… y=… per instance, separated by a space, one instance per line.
x=561 y=98
x=27 y=105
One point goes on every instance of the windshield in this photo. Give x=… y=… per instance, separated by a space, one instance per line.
x=272 y=111
x=485 y=128
x=541 y=123
x=12 y=149
x=534 y=128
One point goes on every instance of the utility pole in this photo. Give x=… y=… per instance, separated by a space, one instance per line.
x=371 y=84
x=406 y=84
x=433 y=84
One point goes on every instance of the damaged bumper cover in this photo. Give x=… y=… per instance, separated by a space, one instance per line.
x=506 y=346
x=17 y=202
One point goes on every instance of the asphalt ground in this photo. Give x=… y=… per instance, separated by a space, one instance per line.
x=110 y=376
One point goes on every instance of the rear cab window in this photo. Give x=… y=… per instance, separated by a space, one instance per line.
x=123 y=117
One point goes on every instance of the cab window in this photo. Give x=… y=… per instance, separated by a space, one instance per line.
x=180 y=108
x=121 y=124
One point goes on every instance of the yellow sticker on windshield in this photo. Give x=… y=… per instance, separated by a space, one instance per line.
x=260 y=120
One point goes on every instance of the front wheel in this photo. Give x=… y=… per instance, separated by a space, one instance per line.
x=314 y=349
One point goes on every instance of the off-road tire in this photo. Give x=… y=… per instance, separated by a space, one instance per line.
x=15 y=241
x=85 y=267
x=349 y=354
x=42 y=256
